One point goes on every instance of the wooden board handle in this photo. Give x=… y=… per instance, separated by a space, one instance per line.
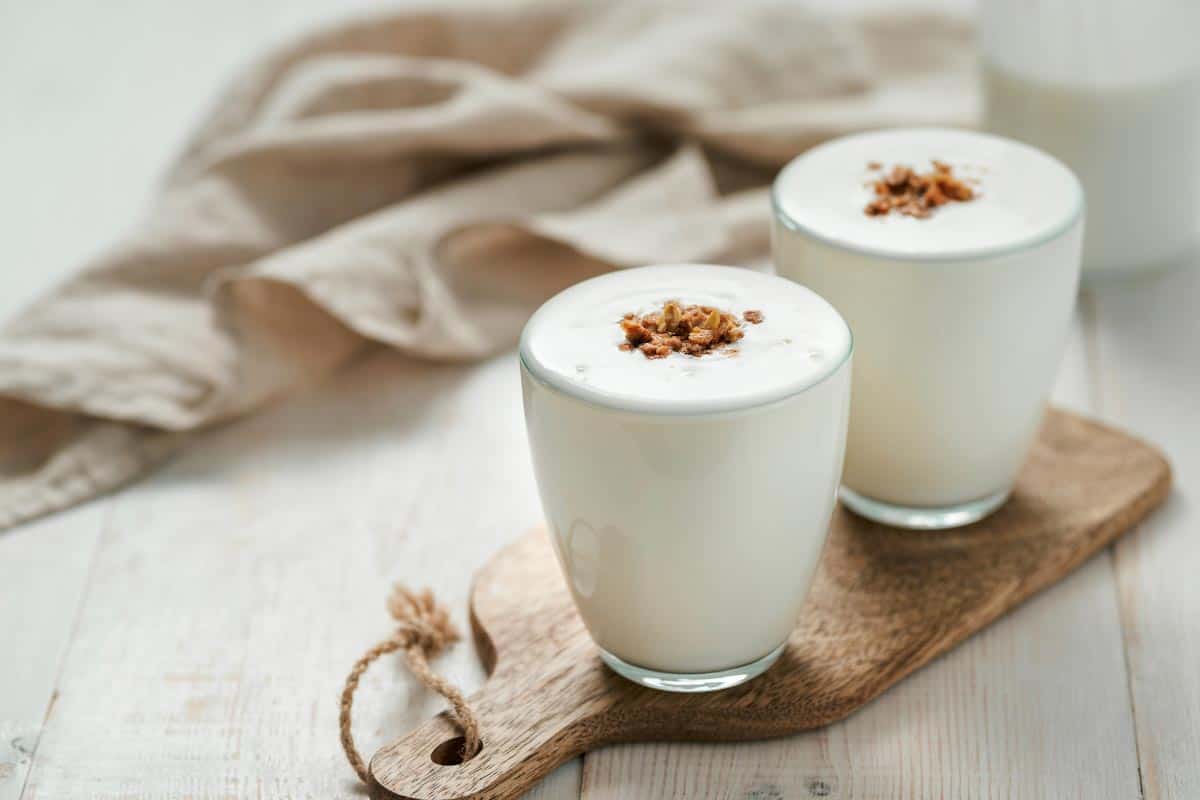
x=524 y=736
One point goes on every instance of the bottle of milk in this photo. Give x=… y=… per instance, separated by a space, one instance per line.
x=1112 y=89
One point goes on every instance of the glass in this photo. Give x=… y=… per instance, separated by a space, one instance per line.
x=1113 y=90
x=688 y=540
x=956 y=348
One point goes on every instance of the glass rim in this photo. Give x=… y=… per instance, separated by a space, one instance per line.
x=660 y=410
x=1037 y=239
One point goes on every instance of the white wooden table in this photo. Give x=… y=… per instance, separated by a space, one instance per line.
x=188 y=637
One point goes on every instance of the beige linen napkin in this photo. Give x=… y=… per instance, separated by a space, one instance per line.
x=423 y=181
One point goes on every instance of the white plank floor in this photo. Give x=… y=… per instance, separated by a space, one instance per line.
x=1147 y=341
x=187 y=637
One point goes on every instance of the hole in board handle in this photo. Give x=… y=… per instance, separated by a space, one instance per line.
x=450 y=752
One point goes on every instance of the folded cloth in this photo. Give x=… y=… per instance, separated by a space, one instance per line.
x=422 y=181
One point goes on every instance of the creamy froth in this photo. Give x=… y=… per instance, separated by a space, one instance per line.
x=1022 y=197
x=573 y=341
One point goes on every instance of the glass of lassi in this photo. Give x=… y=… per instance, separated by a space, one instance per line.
x=955 y=257
x=687 y=425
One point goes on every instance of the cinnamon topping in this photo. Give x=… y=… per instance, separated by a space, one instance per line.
x=916 y=194
x=692 y=330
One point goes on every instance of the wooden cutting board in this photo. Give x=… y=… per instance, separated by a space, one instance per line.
x=884 y=603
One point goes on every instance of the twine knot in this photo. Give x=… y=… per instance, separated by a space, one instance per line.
x=424 y=630
x=423 y=622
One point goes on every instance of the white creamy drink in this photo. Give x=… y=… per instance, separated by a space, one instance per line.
x=688 y=496
x=959 y=315
x=1115 y=93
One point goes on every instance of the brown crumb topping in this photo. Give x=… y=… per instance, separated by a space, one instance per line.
x=916 y=194
x=692 y=330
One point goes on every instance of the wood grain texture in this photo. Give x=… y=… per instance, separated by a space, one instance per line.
x=884 y=603
x=1033 y=707
x=232 y=590
x=37 y=619
x=1147 y=357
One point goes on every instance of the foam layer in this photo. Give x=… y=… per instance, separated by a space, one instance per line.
x=1024 y=195
x=571 y=342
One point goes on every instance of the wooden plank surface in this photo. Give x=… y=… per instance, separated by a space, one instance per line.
x=205 y=656
x=1147 y=354
x=231 y=591
x=43 y=573
x=1011 y=713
